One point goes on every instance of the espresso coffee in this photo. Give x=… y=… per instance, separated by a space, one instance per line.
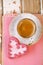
x=26 y=28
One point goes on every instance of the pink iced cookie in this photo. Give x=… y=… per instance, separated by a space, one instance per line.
x=15 y=48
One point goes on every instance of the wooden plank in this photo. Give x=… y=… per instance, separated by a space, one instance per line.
x=0 y=14
x=36 y=4
x=26 y=6
x=31 y=6
x=0 y=30
x=42 y=4
x=0 y=23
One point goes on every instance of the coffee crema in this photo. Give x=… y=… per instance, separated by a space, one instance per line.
x=26 y=28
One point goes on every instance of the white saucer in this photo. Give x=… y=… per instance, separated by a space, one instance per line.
x=13 y=29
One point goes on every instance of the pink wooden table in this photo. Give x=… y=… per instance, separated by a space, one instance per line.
x=34 y=55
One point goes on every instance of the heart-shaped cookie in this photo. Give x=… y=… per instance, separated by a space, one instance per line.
x=15 y=48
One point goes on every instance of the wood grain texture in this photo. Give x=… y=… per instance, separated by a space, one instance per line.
x=0 y=29
x=0 y=15
x=42 y=4
x=0 y=23
x=30 y=6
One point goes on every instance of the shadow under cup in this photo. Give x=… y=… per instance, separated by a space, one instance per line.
x=26 y=28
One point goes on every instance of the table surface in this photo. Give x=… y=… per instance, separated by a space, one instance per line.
x=39 y=16
x=34 y=56
x=31 y=6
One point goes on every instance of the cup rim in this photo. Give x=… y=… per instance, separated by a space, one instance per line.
x=32 y=39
